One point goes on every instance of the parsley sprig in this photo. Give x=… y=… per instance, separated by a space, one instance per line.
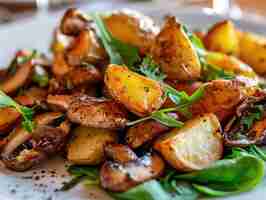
x=27 y=113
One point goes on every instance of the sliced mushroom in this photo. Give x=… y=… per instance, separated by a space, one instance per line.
x=73 y=22
x=16 y=81
x=144 y=132
x=23 y=150
x=248 y=126
x=120 y=153
x=97 y=113
x=60 y=102
x=119 y=177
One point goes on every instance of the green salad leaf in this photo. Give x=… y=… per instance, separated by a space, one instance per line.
x=228 y=176
x=87 y=174
x=119 y=52
x=153 y=190
x=27 y=113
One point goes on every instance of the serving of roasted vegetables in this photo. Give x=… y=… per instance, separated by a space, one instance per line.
x=144 y=112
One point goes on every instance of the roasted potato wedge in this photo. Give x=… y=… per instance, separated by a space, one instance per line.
x=120 y=153
x=253 y=51
x=231 y=64
x=137 y=93
x=98 y=113
x=87 y=146
x=138 y=30
x=173 y=51
x=144 y=132
x=222 y=37
x=193 y=147
x=86 y=48
x=8 y=116
x=220 y=97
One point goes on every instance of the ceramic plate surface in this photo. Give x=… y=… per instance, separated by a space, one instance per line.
x=43 y=182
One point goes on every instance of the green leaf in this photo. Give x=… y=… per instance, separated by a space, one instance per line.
x=40 y=76
x=88 y=174
x=150 y=69
x=153 y=190
x=166 y=119
x=228 y=176
x=254 y=115
x=27 y=113
x=119 y=52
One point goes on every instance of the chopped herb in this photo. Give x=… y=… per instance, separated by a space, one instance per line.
x=254 y=115
x=27 y=113
x=150 y=69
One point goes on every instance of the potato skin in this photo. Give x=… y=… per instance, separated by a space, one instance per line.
x=138 y=30
x=173 y=51
x=87 y=146
x=137 y=93
x=144 y=132
x=253 y=51
x=8 y=116
x=194 y=146
x=222 y=37
x=220 y=97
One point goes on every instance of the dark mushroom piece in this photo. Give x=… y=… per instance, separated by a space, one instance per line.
x=17 y=80
x=248 y=126
x=120 y=176
x=97 y=112
x=23 y=150
x=73 y=22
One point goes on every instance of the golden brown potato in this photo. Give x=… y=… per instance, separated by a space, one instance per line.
x=222 y=37
x=144 y=132
x=253 y=51
x=8 y=116
x=87 y=146
x=231 y=64
x=220 y=97
x=98 y=113
x=193 y=147
x=132 y=28
x=137 y=93
x=173 y=51
x=86 y=48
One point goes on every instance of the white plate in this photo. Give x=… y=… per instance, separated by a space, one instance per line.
x=42 y=185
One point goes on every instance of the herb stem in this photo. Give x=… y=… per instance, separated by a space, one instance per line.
x=138 y=121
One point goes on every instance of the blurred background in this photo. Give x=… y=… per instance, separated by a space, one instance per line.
x=11 y=10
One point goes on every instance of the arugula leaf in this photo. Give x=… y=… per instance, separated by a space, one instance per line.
x=21 y=59
x=27 y=113
x=255 y=115
x=119 y=52
x=40 y=76
x=164 y=118
x=153 y=190
x=88 y=174
x=240 y=173
x=150 y=69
